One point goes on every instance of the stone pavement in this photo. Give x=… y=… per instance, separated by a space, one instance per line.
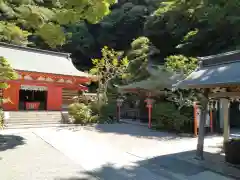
x=24 y=156
x=128 y=152
x=108 y=152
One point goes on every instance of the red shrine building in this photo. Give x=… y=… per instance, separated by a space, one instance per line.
x=47 y=80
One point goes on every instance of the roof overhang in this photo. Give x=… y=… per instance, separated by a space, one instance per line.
x=164 y=81
x=37 y=60
x=213 y=76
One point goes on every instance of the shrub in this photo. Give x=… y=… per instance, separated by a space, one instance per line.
x=108 y=112
x=94 y=107
x=81 y=113
x=167 y=116
x=1 y=118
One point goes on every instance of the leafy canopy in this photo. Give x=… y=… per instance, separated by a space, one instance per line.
x=138 y=57
x=46 y=17
x=181 y=63
x=6 y=73
x=110 y=67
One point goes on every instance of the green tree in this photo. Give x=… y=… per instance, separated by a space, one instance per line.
x=22 y=18
x=6 y=73
x=138 y=57
x=116 y=30
x=182 y=65
x=108 y=68
x=186 y=65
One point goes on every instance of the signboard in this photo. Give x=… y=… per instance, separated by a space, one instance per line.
x=33 y=88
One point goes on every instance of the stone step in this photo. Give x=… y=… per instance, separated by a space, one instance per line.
x=41 y=117
x=33 y=115
x=33 y=120
x=43 y=114
x=36 y=117
x=16 y=126
x=31 y=123
x=33 y=112
x=25 y=119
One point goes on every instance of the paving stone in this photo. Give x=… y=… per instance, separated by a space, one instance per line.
x=33 y=159
x=208 y=175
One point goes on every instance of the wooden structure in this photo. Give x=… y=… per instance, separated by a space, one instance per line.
x=219 y=78
x=159 y=81
x=156 y=85
x=46 y=80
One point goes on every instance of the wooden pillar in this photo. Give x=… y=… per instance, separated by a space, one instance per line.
x=201 y=131
x=195 y=124
x=224 y=118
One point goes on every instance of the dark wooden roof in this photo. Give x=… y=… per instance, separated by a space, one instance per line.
x=218 y=59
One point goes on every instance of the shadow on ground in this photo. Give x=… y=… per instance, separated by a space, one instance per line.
x=128 y=129
x=165 y=166
x=10 y=142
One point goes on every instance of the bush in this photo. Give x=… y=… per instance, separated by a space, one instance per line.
x=167 y=116
x=108 y=112
x=1 y=118
x=81 y=113
x=94 y=107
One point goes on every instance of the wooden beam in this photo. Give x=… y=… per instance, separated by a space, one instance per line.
x=55 y=76
x=224 y=94
x=224 y=118
x=42 y=83
x=205 y=86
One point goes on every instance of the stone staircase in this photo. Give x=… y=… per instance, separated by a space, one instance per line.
x=32 y=119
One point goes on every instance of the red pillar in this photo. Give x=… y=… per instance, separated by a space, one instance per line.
x=211 y=121
x=195 y=120
x=149 y=102
x=54 y=98
x=149 y=116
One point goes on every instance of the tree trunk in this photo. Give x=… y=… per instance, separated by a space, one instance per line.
x=201 y=130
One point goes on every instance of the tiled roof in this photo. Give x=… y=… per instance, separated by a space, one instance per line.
x=162 y=81
x=223 y=69
x=36 y=60
x=220 y=58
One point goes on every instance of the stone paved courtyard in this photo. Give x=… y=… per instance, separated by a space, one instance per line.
x=27 y=157
x=111 y=152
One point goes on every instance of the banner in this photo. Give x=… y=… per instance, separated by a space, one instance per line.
x=33 y=88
